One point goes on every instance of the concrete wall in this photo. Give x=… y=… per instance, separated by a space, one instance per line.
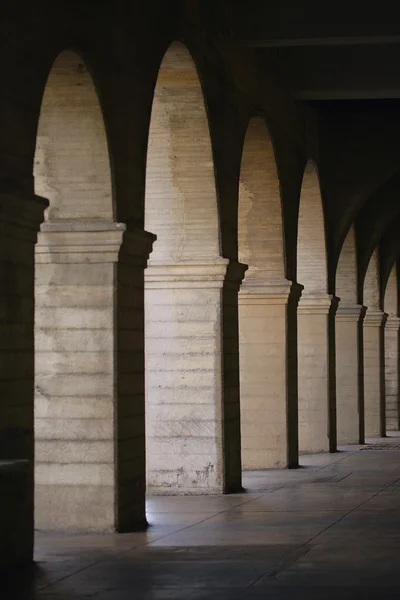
x=71 y=166
x=348 y=352
x=263 y=307
x=374 y=382
x=79 y=397
x=186 y=397
x=313 y=312
x=392 y=353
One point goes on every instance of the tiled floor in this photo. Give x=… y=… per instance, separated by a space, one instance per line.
x=328 y=530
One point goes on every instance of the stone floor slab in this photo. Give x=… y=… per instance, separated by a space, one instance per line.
x=329 y=529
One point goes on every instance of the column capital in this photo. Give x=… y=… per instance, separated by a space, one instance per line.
x=194 y=274
x=90 y=241
x=21 y=215
x=350 y=312
x=322 y=304
x=269 y=292
x=374 y=318
x=136 y=246
x=235 y=274
x=392 y=322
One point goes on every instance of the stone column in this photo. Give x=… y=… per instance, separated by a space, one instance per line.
x=392 y=373
x=374 y=375
x=192 y=384
x=316 y=396
x=348 y=357
x=268 y=374
x=89 y=392
x=20 y=218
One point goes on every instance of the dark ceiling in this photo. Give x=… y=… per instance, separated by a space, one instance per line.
x=326 y=50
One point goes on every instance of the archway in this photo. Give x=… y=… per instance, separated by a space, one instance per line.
x=374 y=376
x=392 y=352
x=192 y=431
x=266 y=311
x=313 y=313
x=348 y=347
x=78 y=480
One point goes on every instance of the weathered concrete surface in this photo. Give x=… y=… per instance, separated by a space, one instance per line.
x=189 y=407
x=374 y=384
x=313 y=336
x=192 y=388
x=349 y=370
x=72 y=166
x=75 y=377
x=373 y=334
x=267 y=312
x=392 y=327
x=313 y=319
x=83 y=409
x=348 y=373
x=392 y=356
x=268 y=411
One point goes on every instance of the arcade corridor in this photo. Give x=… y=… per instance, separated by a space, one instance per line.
x=199 y=293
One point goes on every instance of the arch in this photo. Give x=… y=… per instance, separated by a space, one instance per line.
x=373 y=337
x=312 y=269
x=314 y=387
x=346 y=271
x=71 y=164
x=181 y=201
x=77 y=316
x=390 y=297
x=348 y=348
x=184 y=310
x=371 y=297
x=260 y=228
x=267 y=436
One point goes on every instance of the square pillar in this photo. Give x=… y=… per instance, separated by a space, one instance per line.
x=89 y=387
x=374 y=373
x=268 y=374
x=20 y=219
x=317 y=427
x=192 y=382
x=348 y=356
x=392 y=373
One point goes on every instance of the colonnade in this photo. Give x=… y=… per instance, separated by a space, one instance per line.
x=159 y=361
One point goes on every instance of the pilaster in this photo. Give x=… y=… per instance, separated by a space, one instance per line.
x=392 y=373
x=268 y=373
x=348 y=369
x=89 y=392
x=317 y=417
x=20 y=218
x=374 y=373
x=192 y=395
